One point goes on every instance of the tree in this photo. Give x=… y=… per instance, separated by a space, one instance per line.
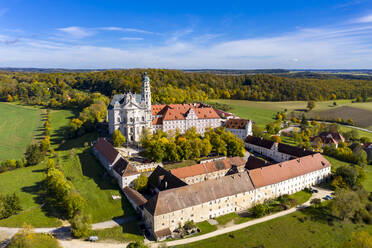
x=206 y=147
x=81 y=225
x=33 y=154
x=316 y=202
x=9 y=205
x=345 y=204
x=276 y=138
x=349 y=175
x=140 y=183
x=360 y=239
x=310 y=105
x=338 y=183
x=118 y=138
x=257 y=131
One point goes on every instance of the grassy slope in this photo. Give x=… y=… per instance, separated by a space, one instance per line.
x=85 y=172
x=87 y=175
x=18 y=126
x=79 y=166
x=287 y=232
x=25 y=183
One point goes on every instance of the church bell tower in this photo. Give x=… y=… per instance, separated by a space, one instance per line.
x=146 y=91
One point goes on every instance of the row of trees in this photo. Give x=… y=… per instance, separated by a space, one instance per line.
x=61 y=195
x=172 y=86
x=163 y=146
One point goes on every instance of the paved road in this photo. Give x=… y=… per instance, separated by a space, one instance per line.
x=320 y=194
x=64 y=231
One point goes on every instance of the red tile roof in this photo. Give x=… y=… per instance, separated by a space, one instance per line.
x=208 y=167
x=236 y=123
x=135 y=196
x=106 y=149
x=289 y=169
x=180 y=111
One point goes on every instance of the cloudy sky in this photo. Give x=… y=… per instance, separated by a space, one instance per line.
x=233 y=34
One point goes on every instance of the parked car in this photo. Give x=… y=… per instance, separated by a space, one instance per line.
x=314 y=190
x=329 y=197
x=93 y=238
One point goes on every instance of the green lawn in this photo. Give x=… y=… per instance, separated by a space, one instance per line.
x=18 y=126
x=25 y=182
x=301 y=197
x=287 y=231
x=90 y=179
x=79 y=166
x=205 y=227
x=125 y=233
x=59 y=119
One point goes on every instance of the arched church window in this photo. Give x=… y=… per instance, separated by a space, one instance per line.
x=143 y=118
x=118 y=119
x=131 y=119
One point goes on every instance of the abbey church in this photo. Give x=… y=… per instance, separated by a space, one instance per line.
x=131 y=113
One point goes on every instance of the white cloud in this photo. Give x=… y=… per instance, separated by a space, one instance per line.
x=348 y=46
x=131 y=38
x=112 y=29
x=77 y=32
x=364 y=19
x=135 y=30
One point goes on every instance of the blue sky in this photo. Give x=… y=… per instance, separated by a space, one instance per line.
x=186 y=34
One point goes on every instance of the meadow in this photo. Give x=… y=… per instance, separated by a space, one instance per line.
x=80 y=168
x=19 y=125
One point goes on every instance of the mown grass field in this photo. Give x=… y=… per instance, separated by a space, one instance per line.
x=288 y=231
x=79 y=166
x=26 y=183
x=18 y=127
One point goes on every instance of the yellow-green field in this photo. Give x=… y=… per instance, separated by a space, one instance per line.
x=19 y=125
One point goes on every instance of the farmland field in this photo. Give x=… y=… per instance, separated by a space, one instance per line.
x=263 y=112
x=18 y=127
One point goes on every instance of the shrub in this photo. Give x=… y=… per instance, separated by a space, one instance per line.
x=260 y=210
x=9 y=205
x=81 y=225
x=26 y=238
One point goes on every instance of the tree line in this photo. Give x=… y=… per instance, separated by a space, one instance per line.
x=72 y=89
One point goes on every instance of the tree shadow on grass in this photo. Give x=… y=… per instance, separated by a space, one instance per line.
x=39 y=194
x=319 y=214
x=93 y=169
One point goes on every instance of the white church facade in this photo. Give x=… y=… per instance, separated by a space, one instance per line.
x=131 y=113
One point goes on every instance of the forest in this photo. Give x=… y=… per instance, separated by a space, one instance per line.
x=73 y=89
